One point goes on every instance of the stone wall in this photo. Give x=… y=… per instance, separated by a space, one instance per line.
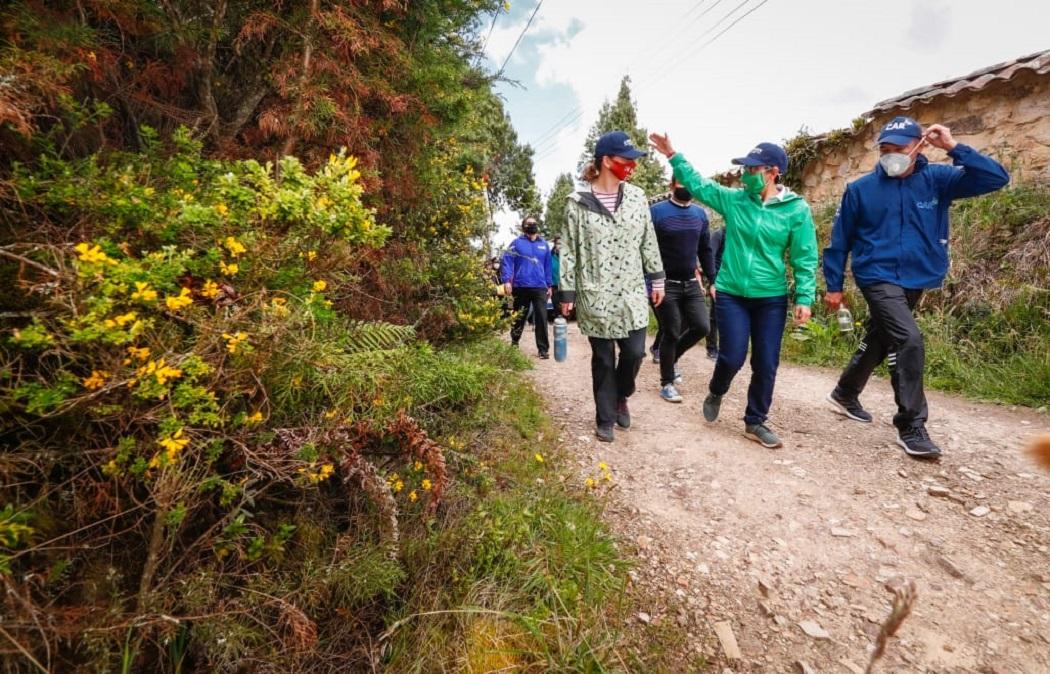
x=1009 y=120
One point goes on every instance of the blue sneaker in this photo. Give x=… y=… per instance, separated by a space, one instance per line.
x=670 y=394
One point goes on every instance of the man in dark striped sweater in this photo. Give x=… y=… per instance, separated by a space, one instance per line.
x=682 y=234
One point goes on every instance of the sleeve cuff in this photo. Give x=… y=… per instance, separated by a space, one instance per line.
x=656 y=276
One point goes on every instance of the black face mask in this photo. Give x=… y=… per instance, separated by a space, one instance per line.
x=532 y=229
x=682 y=194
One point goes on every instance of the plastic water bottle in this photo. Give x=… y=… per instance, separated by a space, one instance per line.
x=845 y=319
x=561 y=339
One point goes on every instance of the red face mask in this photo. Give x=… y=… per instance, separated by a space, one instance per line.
x=622 y=170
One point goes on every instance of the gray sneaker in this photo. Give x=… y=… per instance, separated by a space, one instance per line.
x=677 y=376
x=670 y=394
x=761 y=434
x=712 y=404
x=604 y=433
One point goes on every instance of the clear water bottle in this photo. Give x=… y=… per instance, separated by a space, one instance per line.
x=845 y=320
x=561 y=339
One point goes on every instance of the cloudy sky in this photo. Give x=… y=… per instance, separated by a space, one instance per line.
x=784 y=64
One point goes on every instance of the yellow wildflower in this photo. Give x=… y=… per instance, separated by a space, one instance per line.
x=603 y=466
x=427 y=485
x=160 y=370
x=538 y=457
x=229 y=269
x=326 y=471
x=235 y=247
x=174 y=443
x=234 y=341
x=183 y=299
x=96 y=381
x=418 y=466
x=143 y=292
x=91 y=254
x=120 y=321
x=254 y=418
x=222 y=210
x=311 y=255
x=412 y=496
x=138 y=353
x=590 y=483
x=398 y=486
x=210 y=289
x=320 y=285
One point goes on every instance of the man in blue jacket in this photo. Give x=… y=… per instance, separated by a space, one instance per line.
x=527 y=276
x=894 y=221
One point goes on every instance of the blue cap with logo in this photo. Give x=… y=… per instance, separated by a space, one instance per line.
x=765 y=154
x=900 y=130
x=617 y=144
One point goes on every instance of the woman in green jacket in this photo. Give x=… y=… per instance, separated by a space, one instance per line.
x=764 y=221
x=609 y=252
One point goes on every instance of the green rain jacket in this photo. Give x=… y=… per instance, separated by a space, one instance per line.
x=757 y=236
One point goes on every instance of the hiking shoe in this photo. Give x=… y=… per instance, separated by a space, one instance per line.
x=712 y=355
x=677 y=376
x=656 y=355
x=544 y=356
x=623 y=415
x=712 y=404
x=604 y=433
x=761 y=434
x=916 y=442
x=849 y=407
x=670 y=394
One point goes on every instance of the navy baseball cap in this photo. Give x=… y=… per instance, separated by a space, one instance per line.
x=617 y=144
x=765 y=154
x=900 y=131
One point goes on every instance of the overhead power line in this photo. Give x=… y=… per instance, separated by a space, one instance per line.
x=518 y=41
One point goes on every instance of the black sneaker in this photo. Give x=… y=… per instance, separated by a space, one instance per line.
x=604 y=433
x=849 y=407
x=761 y=434
x=656 y=355
x=623 y=415
x=712 y=355
x=544 y=356
x=916 y=442
x=712 y=404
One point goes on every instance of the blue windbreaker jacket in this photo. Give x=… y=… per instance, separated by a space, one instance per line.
x=896 y=229
x=527 y=264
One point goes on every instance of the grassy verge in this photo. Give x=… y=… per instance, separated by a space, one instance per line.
x=520 y=574
x=988 y=331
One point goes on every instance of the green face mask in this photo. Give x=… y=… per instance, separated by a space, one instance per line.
x=754 y=183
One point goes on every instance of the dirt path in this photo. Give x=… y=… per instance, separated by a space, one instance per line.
x=766 y=539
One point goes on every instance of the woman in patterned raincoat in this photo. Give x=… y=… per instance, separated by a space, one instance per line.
x=609 y=251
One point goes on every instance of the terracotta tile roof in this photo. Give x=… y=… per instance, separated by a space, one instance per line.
x=975 y=81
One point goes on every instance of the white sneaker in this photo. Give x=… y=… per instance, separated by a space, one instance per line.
x=670 y=394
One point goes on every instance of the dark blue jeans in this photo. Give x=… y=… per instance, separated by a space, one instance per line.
x=760 y=321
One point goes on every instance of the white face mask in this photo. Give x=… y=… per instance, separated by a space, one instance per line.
x=895 y=163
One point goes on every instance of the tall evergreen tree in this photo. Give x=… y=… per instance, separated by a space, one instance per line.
x=554 y=210
x=622 y=115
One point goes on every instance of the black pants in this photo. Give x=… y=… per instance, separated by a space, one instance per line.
x=712 y=335
x=536 y=298
x=614 y=380
x=891 y=332
x=683 y=323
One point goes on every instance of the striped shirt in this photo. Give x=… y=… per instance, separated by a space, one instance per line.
x=608 y=199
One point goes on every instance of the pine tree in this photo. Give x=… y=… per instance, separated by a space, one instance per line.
x=554 y=210
x=622 y=115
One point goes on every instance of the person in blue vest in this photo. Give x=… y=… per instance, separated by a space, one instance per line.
x=528 y=278
x=894 y=222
